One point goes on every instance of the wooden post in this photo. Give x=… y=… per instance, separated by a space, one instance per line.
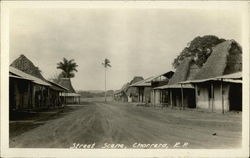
x=29 y=95
x=222 y=97
x=182 y=104
x=143 y=97
x=33 y=95
x=154 y=97
x=65 y=98
x=171 y=101
x=161 y=99
x=196 y=95
x=212 y=95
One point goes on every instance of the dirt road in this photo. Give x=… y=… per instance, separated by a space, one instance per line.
x=127 y=126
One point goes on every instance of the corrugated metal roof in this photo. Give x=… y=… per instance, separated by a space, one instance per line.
x=143 y=83
x=237 y=75
x=14 y=76
x=175 y=86
x=234 y=78
x=27 y=76
x=162 y=74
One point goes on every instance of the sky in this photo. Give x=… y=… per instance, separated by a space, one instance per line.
x=138 y=42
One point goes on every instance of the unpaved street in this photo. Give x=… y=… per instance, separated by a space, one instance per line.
x=120 y=123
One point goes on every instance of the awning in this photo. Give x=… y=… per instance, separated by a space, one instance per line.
x=24 y=75
x=233 y=78
x=143 y=83
x=70 y=95
x=22 y=78
x=175 y=86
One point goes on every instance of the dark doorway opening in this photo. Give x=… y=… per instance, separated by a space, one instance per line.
x=235 y=97
x=191 y=98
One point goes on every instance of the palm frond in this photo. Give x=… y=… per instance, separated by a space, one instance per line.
x=67 y=67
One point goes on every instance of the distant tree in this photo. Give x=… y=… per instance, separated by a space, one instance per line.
x=200 y=48
x=68 y=67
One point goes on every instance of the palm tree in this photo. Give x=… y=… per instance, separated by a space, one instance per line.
x=68 y=67
x=106 y=64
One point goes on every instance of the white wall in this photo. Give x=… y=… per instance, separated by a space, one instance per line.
x=203 y=102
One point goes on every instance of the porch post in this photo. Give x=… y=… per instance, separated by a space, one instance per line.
x=182 y=104
x=29 y=95
x=161 y=103
x=222 y=97
x=33 y=95
x=154 y=96
x=212 y=95
x=171 y=102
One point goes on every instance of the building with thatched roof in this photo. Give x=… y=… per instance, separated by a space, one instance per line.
x=30 y=92
x=133 y=92
x=176 y=94
x=226 y=58
x=23 y=64
x=144 y=90
x=128 y=93
x=55 y=92
x=28 y=89
x=160 y=96
x=144 y=87
x=121 y=95
x=220 y=95
x=70 y=96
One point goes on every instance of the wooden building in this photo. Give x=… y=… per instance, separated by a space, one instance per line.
x=28 y=89
x=133 y=92
x=144 y=90
x=120 y=95
x=55 y=91
x=176 y=95
x=159 y=97
x=70 y=96
x=218 y=83
x=128 y=93
x=219 y=94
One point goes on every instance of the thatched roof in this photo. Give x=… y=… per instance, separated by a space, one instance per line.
x=226 y=58
x=66 y=82
x=125 y=87
x=136 y=79
x=24 y=64
x=57 y=87
x=193 y=70
x=131 y=90
x=183 y=72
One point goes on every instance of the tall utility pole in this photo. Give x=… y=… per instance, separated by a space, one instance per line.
x=106 y=64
